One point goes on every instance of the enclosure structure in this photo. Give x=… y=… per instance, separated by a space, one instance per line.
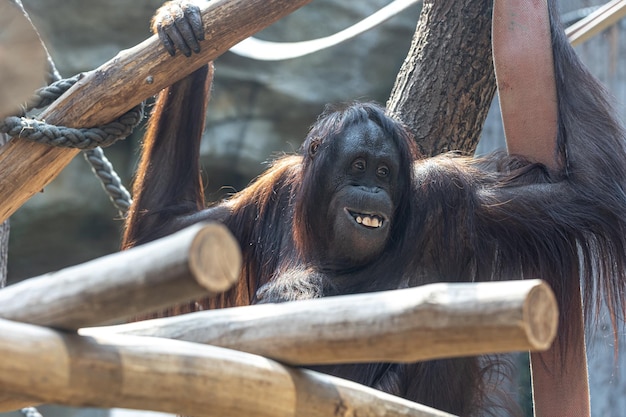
x=76 y=392
x=238 y=361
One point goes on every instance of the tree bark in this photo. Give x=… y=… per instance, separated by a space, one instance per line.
x=446 y=85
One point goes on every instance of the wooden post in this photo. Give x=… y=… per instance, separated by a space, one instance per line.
x=176 y=377
x=180 y=267
x=123 y=82
x=448 y=320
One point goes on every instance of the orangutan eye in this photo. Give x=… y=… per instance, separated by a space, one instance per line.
x=359 y=165
x=382 y=171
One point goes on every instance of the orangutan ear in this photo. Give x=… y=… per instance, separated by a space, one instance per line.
x=314 y=147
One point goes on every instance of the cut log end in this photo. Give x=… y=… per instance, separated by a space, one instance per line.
x=541 y=316
x=215 y=258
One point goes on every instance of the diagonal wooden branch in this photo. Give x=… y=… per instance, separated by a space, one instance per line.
x=123 y=82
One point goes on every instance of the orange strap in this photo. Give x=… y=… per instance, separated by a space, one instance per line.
x=522 y=52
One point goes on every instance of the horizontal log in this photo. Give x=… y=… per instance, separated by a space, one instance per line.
x=203 y=259
x=429 y=322
x=176 y=377
x=123 y=82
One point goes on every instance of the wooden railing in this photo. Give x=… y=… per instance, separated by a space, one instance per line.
x=237 y=361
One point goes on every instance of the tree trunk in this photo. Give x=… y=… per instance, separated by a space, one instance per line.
x=4 y=236
x=446 y=85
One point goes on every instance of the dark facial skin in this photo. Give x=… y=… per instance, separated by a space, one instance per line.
x=362 y=181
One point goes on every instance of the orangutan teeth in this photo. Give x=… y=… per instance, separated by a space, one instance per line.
x=369 y=221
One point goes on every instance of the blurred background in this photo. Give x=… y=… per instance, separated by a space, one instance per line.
x=258 y=110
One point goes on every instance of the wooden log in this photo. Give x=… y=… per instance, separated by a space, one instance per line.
x=176 y=377
x=430 y=322
x=10 y=402
x=204 y=258
x=123 y=82
x=606 y=16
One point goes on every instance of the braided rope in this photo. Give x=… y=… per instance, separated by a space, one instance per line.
x=46 y=95
x=90 y=140
x=102 y=168
x=68 y=137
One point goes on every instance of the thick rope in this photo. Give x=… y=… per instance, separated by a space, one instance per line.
x=44 y=96
x=30 y=412
x=262 y=50
x=102 y=168
x=90 y=140
x=68 y=137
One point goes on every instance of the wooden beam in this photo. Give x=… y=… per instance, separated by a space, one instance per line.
x=448 y=320
x=601 y=19
x=176 y=377
x=204 y=258
x=120 y=84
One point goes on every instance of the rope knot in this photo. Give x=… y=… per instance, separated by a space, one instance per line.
x=90 y=140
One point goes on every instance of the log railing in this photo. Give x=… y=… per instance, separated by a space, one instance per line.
x=201 y=260
x=235 y=362
x=429 y=322
x=108 y=371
